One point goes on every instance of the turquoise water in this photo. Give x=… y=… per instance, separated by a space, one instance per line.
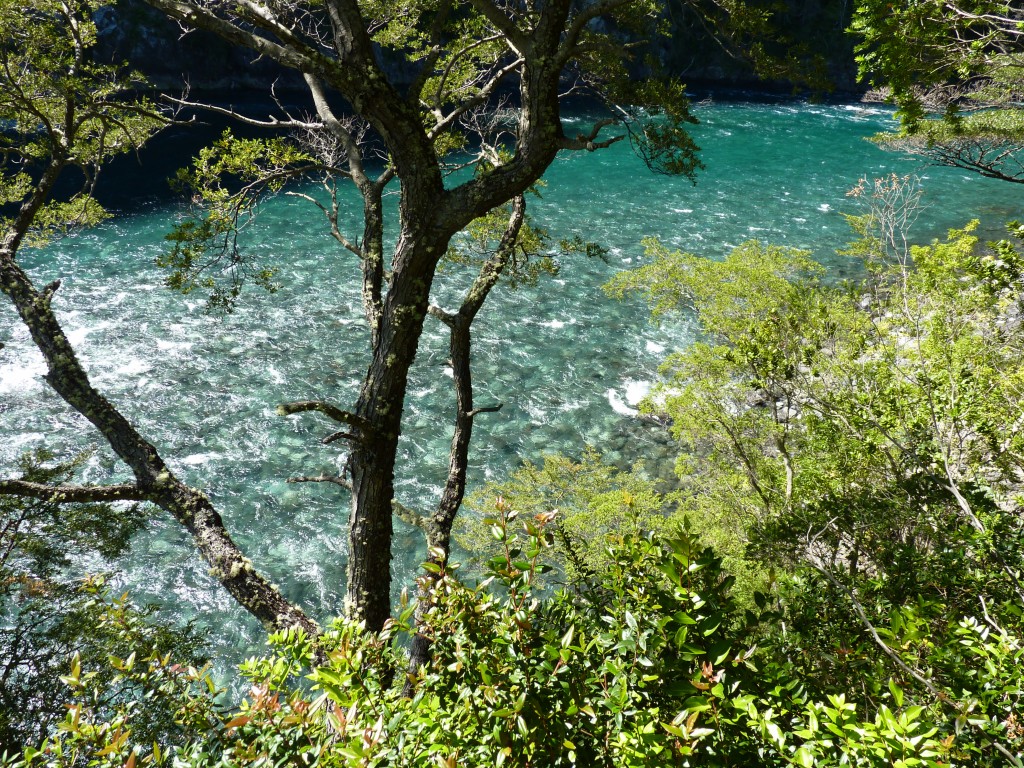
x=568 y=364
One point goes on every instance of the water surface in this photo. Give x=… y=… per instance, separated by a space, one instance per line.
x=567 y=363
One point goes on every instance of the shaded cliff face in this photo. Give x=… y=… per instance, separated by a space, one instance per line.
x=132 y=31
x=170 y=58
x=816 y=37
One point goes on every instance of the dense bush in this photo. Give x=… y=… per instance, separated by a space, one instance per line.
x=651 y=664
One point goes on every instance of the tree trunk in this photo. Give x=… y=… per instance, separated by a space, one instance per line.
x=380 y=405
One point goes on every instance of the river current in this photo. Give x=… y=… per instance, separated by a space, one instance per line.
x=568 y=364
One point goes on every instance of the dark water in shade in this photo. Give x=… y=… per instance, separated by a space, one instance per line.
x=567 y=363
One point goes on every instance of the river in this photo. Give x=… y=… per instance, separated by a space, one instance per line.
x=567 y=363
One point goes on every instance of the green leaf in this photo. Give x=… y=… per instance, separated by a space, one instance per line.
x=897 y=692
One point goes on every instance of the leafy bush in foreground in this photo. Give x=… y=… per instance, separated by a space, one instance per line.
x=651 y=665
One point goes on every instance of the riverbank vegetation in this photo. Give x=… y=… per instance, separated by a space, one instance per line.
x=852 y=450
x=954 y=70
x=834 y=579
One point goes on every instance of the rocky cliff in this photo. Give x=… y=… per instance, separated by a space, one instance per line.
x=134 y=32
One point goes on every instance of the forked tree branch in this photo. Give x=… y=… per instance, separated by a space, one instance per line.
x=438 y=527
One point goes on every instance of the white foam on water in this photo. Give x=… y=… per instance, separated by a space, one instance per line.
x=18 y=443
x=861 y=111
x=537 y=415
x=553 y=324
x=636 y=391
x=824 y=207
x=619 y=405
x=196 y=459
x=167 y=346
x=21 y=377
x=654 y=348
x=77 y=336
x=133 y=367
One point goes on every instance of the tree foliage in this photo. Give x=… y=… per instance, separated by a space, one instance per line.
x=584 y=502
x=954 y=71
x=652 y=665
x=56 y=103
x=871 y=418
x=864 y=436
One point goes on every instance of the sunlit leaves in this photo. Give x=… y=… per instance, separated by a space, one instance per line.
x=861 y=428
x=57 y=218
x=954 y=70
x=58 y=105
x=227 y=181
x=721 y=292
x=651 y=664
x=532 y=256
x=590 y=499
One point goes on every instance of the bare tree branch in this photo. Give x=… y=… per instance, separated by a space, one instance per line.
x=331 y=411
x=589 y=141
x=74 y=494
x=486 y=409
x=336 y=479
x=270 y=122
x=518 y=39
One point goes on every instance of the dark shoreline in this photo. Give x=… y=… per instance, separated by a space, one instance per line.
x=121 y=183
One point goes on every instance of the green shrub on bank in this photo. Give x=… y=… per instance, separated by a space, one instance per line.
x=652 y=665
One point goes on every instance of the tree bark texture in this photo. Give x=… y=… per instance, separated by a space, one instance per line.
x=396 y=301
